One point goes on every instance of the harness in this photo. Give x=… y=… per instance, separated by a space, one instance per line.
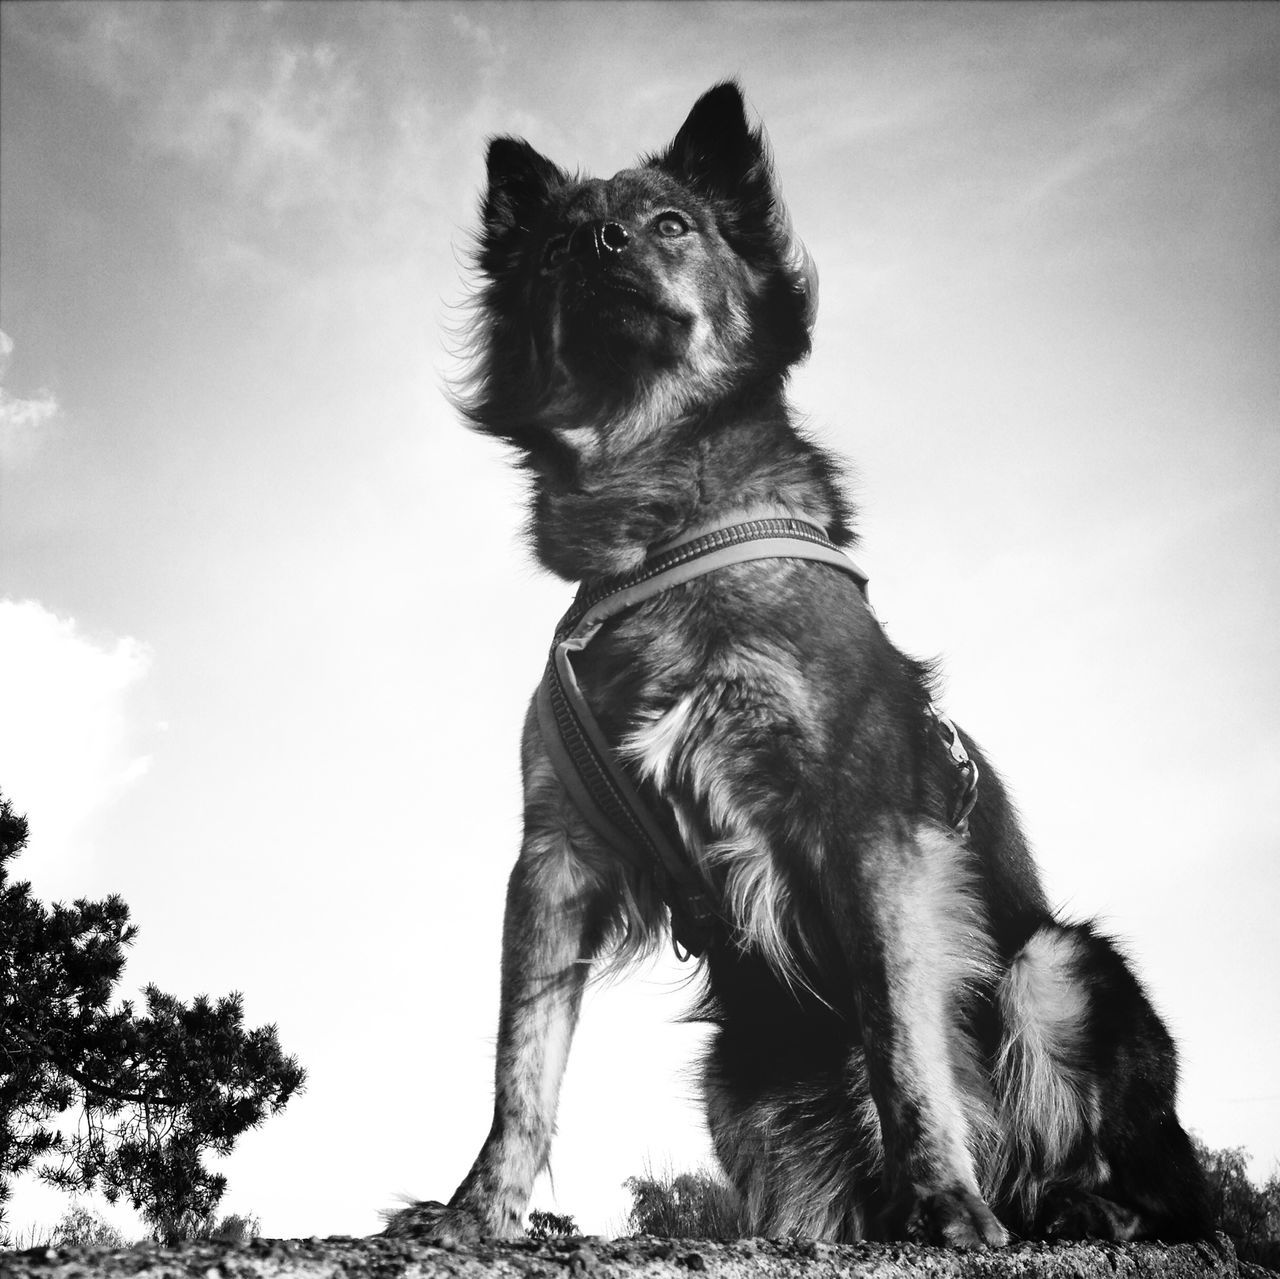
x=588 y=766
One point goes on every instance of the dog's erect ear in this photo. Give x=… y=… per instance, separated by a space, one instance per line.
x=520 y=180
x=724 y=159
x=717 y=152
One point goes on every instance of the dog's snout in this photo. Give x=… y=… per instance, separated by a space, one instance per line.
x=598 y=239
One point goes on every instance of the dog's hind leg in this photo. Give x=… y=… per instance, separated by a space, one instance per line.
x=920 y=947
x=558 y=910
x=1086 y=1078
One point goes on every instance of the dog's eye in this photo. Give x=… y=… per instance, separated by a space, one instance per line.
x=670 y=224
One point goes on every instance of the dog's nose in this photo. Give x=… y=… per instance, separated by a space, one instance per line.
x=603 y=239
x=611 y=237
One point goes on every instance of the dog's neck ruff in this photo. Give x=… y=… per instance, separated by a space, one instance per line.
x=581 y=756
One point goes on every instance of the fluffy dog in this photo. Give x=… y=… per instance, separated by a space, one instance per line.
x=908 y=1043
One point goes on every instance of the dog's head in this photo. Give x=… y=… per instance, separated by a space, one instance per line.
x=614 y=308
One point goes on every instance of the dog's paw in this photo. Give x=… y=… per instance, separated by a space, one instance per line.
x=1077 y=1214
x=955 y=1218
x=429 y=1221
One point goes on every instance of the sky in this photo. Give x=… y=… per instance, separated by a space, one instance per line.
x=267 y=623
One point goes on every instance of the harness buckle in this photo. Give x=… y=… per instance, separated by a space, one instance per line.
x=965 y=763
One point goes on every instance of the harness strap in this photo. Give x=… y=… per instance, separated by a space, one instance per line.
x=579 y=752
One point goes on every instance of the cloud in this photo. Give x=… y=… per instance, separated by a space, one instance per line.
x=22 y=421
x=66 y=729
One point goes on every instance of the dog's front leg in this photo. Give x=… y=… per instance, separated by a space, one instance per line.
x=545 y=955
x=924 y=952
x=556 y=912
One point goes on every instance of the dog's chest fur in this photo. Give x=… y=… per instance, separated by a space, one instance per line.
x=747 y=703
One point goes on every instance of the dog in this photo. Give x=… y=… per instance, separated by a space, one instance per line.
x=908 y=1043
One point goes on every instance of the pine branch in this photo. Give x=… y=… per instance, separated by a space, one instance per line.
x=90 y=1085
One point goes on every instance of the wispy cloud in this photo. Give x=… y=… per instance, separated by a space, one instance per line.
x=273 y=126
x=480 y=35
x=263 y=113
x=1119 y=124
x=22 y=419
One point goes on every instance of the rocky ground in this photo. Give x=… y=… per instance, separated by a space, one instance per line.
x=640 y=1258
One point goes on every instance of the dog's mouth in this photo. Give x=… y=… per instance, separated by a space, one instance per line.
x=625 y=320
x=604 y=293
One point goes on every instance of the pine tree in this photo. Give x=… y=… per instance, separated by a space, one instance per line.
x=148 y=1093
